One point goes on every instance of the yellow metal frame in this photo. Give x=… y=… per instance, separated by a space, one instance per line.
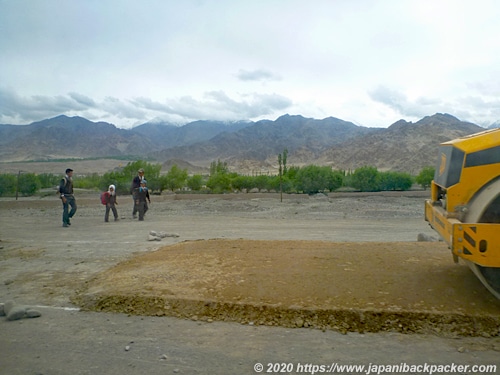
x=460 y=194
x=474 y=177
x=476 y=242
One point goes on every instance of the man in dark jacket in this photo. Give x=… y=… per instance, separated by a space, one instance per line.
x=67 y=197
x=136 y=184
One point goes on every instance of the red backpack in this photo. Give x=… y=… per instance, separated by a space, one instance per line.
x=104 y=197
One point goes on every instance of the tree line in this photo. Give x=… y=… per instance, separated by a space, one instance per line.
x=309 y=179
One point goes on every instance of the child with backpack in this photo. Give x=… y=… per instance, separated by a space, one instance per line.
x=109 y=199
x=142 y=199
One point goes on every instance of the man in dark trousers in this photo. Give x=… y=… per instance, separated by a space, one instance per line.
x=67 y=197
x=136 y=184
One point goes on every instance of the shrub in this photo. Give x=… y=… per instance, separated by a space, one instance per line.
x=313 y=179
x=195 y=182
x=242 y=182
x=28 y=184
x=395 y=181
x=425 y=177
x=8 y=183
x=365 y=179
x=219 y=183
x=175 y=178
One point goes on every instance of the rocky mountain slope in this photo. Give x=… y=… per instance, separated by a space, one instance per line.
x=64 y=137
x=404 y=146
x=165 y=135
x=245 y=146
x=266 y=139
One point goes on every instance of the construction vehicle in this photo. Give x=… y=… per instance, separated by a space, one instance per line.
x=465 y=203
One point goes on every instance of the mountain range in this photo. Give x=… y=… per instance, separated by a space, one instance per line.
x=245 y=146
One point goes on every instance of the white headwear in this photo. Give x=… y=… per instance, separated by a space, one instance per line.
x=114 y=189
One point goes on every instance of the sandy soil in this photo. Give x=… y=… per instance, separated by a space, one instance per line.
x=358 y=286
x=345 y=262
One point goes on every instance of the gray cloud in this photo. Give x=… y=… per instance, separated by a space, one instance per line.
x=16 y=108
x=217 y=105
x=398 y=101
x=8 y=103
x=476 y=107
x=149 y=104
x=82 y=99
x=122 y=109
x=265 y=104
x=185 y=60
x=391 y=98
x=257 y=75
x=214 y=105
x=489 y=88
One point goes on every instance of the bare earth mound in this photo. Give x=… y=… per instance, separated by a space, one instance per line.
x=357 y=286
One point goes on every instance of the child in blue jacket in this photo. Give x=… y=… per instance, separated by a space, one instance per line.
x=142 y=199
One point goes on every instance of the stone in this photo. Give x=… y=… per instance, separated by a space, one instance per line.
x=31 y=313
x=8 y=306
x=16 y=313
x=157 y=236
x=165 y=234
x=422 y=237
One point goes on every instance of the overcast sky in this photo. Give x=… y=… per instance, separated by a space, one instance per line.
x=132 y=61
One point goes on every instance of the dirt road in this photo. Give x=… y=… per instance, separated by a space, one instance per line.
x=45 y=265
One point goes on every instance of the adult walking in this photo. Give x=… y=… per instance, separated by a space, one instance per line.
x=136 y=184
x=67 y=197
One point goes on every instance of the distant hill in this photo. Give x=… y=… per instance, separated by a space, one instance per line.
x=64 y=137
x=165 y=135
x=265 y=139
x=68 y=137
x=403 y=146
x=245 y=146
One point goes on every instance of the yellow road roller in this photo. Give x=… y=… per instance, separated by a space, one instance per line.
x=465 y=203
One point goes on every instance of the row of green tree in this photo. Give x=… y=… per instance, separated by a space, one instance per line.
x=308 y=179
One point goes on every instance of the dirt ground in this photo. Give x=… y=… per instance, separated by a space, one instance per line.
x=356 y=286
x=295 y=272
x=342 y=263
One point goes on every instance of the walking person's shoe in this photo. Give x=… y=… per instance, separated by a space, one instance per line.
x=65 y=225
